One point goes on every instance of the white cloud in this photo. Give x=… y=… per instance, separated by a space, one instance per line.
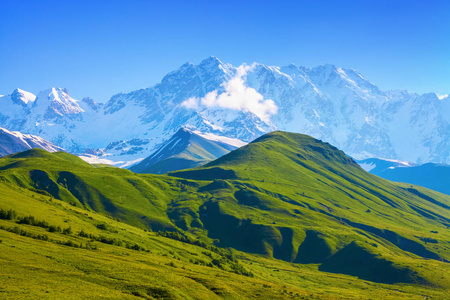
x=442 y=97
x=236 y=96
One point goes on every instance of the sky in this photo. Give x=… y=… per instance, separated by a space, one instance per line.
x=101 y=48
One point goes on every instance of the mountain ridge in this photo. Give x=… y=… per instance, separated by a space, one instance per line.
x=333 y=104
x=13 y=141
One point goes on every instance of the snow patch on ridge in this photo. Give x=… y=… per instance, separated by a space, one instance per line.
x=213 y=137
x=27 y=97
x=94 y=159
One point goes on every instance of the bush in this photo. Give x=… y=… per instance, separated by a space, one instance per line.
x=30 y=220
x=67 y=231
x=25 y=233
x=53 y=228
x=135 y=247
x=7 y=215
x=84 y=234
x=91 y=246
x=102 y=226
x=70 y=244
x=172 y=264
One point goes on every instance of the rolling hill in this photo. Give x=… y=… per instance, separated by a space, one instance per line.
x=294 y=210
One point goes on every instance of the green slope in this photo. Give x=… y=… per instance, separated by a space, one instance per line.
x=298 y=199
x=284 y=196
x=131 y=263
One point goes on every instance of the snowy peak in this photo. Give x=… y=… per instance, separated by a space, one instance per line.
x=213 y=63
x=56 y=102
x=14 y=141
x=208 y=75
x=22 y=97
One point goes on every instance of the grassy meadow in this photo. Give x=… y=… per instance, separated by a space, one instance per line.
x=286 y=216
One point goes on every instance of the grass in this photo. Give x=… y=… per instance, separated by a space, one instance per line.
x=40 y=269
x=298 y=215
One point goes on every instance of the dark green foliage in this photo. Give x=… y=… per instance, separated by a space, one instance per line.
x=102 y=226
x=31 y=220
x=25 y=233
x=70 y=244
x=107 y=240
x=67 y=230
x=84 y=234
x=135 y=247
x=7 y=214
x=53 y=228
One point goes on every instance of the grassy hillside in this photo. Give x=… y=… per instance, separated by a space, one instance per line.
x=295 y=198
x=299 y=215
x=131 y=263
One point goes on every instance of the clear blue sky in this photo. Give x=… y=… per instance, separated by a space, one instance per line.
x=100 y=48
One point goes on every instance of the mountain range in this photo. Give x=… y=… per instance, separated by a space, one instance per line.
x=333 y=104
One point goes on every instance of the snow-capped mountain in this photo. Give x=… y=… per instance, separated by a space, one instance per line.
x=333 y=104
x=186 y=149
x=13 y=141
x=430 y=175
x=53 y=115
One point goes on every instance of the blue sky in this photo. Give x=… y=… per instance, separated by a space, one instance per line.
x=100 y=48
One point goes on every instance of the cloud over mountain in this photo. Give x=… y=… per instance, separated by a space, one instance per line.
x=237 y=96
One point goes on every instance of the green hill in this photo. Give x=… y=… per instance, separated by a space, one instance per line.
x=299 y=214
